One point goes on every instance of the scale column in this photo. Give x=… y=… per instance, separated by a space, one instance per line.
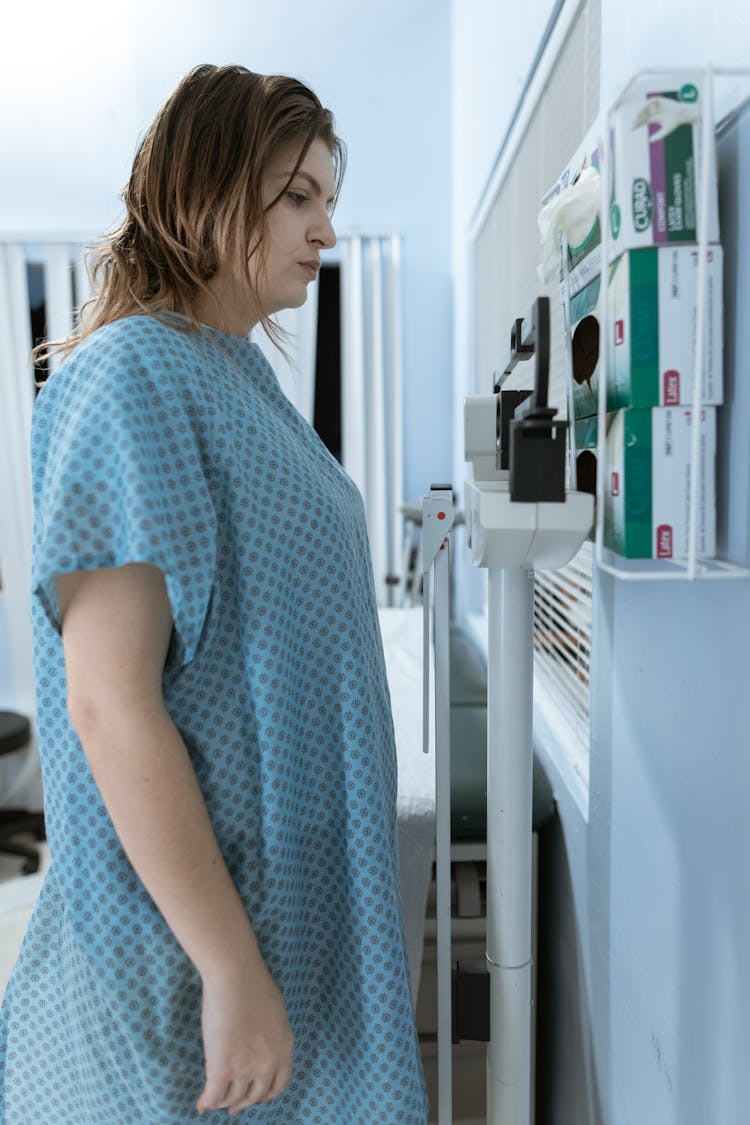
x=509 y=843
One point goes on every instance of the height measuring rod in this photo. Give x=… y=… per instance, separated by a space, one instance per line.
x=437 y=520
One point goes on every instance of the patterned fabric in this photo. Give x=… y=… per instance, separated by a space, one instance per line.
x=156 y=445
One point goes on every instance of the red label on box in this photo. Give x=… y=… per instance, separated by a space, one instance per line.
x=664 y=541
x=615 y=489
x=671 y=388
x=619 y=332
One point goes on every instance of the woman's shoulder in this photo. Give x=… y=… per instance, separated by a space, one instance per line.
x=140 y=335
x=130 y=347
x=131 y=361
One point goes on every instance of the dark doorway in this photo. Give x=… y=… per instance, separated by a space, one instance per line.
x=327 y=411
x=38 y=315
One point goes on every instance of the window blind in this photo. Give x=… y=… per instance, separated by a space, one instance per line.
x=507 y=254
x=562 y=630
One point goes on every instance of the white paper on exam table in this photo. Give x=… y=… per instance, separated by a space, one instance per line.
x=402 y=643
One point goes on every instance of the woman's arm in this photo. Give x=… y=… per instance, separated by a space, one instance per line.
x=116 y=627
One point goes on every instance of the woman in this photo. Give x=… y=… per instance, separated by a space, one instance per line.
x=220 y=926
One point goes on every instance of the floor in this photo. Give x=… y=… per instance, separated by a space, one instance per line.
x=469 y=1069
x=469 y=1059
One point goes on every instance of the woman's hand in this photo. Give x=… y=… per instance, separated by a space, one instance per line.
x=247 y=1039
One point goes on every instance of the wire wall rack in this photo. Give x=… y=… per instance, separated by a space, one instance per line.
x=693 y=566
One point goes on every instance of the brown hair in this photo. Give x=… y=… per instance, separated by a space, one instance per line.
x=194 y=197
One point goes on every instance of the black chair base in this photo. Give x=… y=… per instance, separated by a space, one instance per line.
x=15 y=732
x=16 y=822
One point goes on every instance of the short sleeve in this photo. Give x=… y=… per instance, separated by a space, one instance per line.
x=119 y=477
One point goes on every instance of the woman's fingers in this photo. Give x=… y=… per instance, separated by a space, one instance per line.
x=241 y=1093
x=241 y=1090
x=253 y=1096
x=213 y=1093
x=279 y=1084
x=234 y=1095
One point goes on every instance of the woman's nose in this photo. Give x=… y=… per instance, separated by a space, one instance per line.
x=323 y=233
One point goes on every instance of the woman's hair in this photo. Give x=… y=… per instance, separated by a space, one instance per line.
x=194 y=197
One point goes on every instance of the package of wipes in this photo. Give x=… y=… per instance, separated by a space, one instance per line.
x=655 y=164
x=651 y=322
x=571 y=209
x=647 y=491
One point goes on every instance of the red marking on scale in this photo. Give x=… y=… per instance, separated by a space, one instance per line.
x=441 y=515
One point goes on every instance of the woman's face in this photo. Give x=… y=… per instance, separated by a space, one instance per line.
x=299 y=226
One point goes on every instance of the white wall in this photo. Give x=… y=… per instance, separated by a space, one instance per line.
x=646 y=35
x=67 y=115
x=493 y=47
x=652 y=997
x=80 y=81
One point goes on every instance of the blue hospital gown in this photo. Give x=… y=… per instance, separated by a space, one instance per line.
x=179 y=449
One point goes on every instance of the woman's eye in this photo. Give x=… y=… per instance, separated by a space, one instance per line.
x=297 y=198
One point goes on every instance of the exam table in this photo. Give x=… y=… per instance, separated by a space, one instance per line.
x=402 y=643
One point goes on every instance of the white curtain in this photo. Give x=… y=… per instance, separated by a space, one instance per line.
x=20 y=775
x=16 y=404
x=371 y=392
x=296 y=374
x=371 y=387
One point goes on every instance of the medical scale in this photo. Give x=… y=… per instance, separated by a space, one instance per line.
x=519 y=515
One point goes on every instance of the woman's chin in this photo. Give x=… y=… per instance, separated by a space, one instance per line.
x=294 y=299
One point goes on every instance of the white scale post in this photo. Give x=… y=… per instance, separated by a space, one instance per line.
x=437 y=520
x=519 y=515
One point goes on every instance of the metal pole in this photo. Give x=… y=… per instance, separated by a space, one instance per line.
x=443 y=833
x=509 y=843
